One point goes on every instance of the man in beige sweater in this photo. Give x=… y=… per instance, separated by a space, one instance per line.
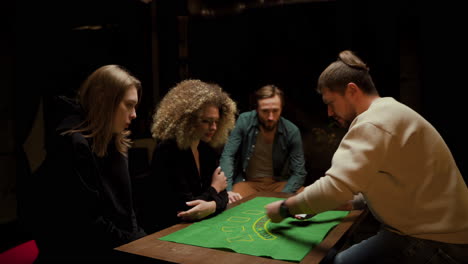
x=401 y=166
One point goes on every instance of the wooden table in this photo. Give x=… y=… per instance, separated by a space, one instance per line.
x=150 y=246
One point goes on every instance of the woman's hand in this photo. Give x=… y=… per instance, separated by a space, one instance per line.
x=219 y=180
x=200 y=210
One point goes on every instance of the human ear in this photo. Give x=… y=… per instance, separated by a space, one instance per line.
x=352 y=88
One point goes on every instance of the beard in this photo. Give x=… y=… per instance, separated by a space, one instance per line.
x=268 y=126
x=345 y=122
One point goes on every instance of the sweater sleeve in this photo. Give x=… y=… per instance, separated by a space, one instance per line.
x=358 y=156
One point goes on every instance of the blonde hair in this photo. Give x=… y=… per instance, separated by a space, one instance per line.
x=177 y=113
x=99 y=96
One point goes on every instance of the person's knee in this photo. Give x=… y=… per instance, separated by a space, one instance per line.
x=338 y=259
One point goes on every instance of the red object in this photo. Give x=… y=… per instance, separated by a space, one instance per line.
x=24 y=253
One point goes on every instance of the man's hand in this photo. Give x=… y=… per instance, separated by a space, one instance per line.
x=234 y=197
x=272 y=211
x=219 y=180
x=200 y=210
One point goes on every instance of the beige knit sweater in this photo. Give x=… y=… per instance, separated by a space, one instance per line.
x=405 y=171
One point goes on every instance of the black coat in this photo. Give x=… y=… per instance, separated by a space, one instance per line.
x=174 y=180
x=83 y=205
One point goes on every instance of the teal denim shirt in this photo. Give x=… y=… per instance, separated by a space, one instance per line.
x=288 y=153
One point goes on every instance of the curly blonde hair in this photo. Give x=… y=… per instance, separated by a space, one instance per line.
x=177 y=113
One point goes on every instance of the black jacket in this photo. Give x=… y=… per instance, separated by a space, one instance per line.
x=83 y=203
x=173 y=180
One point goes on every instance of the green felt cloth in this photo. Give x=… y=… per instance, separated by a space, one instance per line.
x=246 y=229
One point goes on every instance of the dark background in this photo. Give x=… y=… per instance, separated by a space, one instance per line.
x=415 y=51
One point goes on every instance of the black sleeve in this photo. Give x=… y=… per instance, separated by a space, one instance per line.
x=209 y=160
x=157 y=202
x=220 y=198
x=180 y=171
x=172 y=181
x=70 y=204
x=90 y=204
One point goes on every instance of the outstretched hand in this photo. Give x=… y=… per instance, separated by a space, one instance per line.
x=200 y=210
x=273 y=210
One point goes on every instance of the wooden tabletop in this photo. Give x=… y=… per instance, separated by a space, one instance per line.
x=150 y=246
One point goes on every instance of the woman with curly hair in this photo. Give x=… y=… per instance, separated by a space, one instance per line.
x=185 y=182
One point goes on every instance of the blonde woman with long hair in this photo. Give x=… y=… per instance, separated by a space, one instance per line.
x=83 y=191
